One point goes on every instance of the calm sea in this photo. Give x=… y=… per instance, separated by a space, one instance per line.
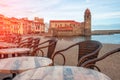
x=112 y=38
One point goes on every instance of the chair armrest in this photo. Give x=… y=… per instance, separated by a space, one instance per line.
x=100 y=58
x=60 y=52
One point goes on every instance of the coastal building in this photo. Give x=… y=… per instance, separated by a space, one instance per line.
x=71 y=27
x=14 y=25
x=1 y=23
x=39 y=25
x=21 y=26
x=65 y=28
x=25 y=25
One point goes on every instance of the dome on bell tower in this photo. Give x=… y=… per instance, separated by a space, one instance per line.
x=87 y=11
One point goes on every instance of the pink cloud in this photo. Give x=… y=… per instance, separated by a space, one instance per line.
x=3 y=5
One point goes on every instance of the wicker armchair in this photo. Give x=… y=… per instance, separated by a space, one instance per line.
x=36 y=41
x=27 y=42
x=89 y=63
x=17 y=40
x=90 y=47
x=48 y=44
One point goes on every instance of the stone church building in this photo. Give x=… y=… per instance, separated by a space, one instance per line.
x=71 y=27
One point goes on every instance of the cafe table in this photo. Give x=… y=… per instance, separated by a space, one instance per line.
x=16 y=65
x=7 y=45
x=61 y=73
x=12 y=52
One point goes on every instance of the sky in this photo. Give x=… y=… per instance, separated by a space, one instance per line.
x=104 y=12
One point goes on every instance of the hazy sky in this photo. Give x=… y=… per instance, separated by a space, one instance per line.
x=103 y=11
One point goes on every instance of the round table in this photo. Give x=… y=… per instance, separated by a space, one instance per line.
x=61 y=73
x=5 y=53
x=20 y=64
x=7 y=45
x=17 y=65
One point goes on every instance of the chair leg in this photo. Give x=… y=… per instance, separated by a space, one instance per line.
x=10 y=78
x=13 y=75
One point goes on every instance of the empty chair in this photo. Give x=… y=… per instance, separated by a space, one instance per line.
x=89 y=63
x=90 y=47
x=48 y=44
x=26 y=43
x=17 y=39
x=9 y=38
x=36 y=41
x=34 y=44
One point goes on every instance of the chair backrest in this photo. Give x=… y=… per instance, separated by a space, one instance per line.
x=17 y=40
x=51 y=47
x=50 y=44
x=90 y=47
x=89 y=63
x=36 y=41
x=27 y=42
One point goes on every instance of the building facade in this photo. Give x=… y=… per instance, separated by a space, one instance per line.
x=39 y=25
x=71 y=27
x=21 y=26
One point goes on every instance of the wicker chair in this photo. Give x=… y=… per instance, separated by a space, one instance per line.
x=24 y=43
x=90 y=47
x=48 y=44
x=36 y=41
x=17 y=39
x=89 y=63
x=27 y=42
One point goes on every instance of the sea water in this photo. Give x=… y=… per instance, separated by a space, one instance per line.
x=110 y=39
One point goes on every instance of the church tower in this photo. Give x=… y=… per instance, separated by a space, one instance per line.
x=87 y=22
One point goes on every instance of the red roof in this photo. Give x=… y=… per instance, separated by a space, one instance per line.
x=65 y=21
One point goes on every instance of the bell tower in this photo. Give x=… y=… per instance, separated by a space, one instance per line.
x=87 y=22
